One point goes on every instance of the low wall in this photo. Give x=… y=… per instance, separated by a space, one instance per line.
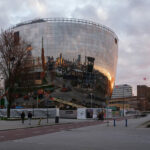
x=84 y=113
x=36 y=112
x=70 y=114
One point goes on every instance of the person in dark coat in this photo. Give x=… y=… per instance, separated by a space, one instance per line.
x=22 y=117
x=99 y=115
x=29 y=117
x=102 y=115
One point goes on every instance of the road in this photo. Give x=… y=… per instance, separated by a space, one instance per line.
x=80 y=136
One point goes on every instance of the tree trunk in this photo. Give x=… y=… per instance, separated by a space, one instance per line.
x=9 y=100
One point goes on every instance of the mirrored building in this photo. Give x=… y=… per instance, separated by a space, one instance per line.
x=78 y=56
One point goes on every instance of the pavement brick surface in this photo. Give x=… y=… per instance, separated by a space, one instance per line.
x=81 y=135
x=7 y=125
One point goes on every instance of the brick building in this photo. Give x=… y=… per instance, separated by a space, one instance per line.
x=124 y=103
x=143 y=97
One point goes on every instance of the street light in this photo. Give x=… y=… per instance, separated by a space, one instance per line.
x=47 y=103
x=37 y=101
x=47 y=110
x=107 y=101
x=33 y=109
x=91 y=99
x=123 y=100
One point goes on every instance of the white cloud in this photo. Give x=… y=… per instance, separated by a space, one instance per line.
x=102 y=13
x=129 y=19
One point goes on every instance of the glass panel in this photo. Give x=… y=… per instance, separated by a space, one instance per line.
x=83 y=53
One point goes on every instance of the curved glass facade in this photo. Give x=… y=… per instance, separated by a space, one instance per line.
x=79 y=45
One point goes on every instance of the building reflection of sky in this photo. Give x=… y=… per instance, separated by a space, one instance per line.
x=73 y=38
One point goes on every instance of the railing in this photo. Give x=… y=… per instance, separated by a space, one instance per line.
x=73 y=20
x=68 y=103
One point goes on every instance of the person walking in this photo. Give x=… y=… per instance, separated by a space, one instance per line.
x=102 y=115
x=22 y=117
x=98 y=115
x=29 y=117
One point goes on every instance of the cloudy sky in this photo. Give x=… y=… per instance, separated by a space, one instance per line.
x=130 y=19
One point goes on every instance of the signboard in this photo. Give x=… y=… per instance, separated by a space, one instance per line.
x=81 y=113
x=38 y=82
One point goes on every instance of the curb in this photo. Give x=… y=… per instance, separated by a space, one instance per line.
x=37 y=126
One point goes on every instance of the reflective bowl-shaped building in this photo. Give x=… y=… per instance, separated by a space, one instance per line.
x=83 y=53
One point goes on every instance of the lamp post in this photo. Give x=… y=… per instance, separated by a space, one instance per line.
x=123 y=100
x=91 y=99
x=33 y=109
x=47 y=110
x=107 y=101
x=37 y=103
x=47 y=103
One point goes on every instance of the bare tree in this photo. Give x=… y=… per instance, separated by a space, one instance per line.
x=14 y=54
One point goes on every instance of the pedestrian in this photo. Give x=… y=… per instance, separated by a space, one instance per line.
x=99 y=115
x=102 y=115
x=22 y=117
x=29 y=117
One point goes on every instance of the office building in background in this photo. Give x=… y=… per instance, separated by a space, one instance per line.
x=122 y=91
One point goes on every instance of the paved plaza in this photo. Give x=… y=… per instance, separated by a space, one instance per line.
x=6 y=125
x=98 y=136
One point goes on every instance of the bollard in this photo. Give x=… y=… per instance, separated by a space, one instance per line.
x=126 y=122
x=47 y=118
x=57 y=116
x=114 y=122
x=39 y=121
x=56 y=119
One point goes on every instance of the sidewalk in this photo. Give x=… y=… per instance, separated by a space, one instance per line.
x=8 y=125
x=93 y=135
x=132 y=123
